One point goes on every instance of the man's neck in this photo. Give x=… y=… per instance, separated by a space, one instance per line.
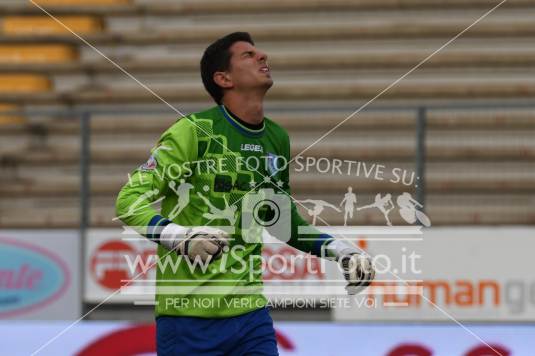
x=249 y=109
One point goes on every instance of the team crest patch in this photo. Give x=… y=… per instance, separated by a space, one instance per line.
x=150 y=165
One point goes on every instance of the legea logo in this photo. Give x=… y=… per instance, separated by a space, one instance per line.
x=30 y=277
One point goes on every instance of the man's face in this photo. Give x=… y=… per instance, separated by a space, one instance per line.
x=248 y=67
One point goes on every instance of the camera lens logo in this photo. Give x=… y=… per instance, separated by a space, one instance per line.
x=266 y=210
x=272 y=213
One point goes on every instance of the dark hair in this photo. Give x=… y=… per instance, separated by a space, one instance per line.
x=216 y=58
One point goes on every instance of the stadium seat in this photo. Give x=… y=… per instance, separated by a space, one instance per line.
x=243 y=6
x=24 y=83
x=417 y=91
x=44 y=25
x=30 y=54
x=168 y=63
x=9 y=119
x=79 y=2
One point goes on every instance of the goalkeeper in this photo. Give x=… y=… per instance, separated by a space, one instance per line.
x=220 y=309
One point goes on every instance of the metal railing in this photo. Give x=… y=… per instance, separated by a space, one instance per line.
x=84 y=115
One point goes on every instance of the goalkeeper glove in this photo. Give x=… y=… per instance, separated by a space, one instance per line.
x=356 y=265
x=204 y=242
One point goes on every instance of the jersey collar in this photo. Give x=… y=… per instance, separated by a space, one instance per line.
x=241 y=128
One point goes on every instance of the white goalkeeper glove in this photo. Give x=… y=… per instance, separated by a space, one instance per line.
x=204 y=242
x=357 y=265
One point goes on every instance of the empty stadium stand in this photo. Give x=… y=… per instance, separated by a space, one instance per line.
x=327 y=58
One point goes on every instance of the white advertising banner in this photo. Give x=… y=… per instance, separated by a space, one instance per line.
x=122 y=268
x=91 y=338
x=470 y=274
x=39 y=274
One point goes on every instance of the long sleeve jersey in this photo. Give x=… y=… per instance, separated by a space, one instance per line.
x=208 y=169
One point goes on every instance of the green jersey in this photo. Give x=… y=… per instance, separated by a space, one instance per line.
x=210 y=170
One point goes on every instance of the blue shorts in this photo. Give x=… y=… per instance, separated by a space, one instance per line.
x=248 y=334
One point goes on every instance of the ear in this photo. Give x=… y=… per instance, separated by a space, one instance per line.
x=223 y=79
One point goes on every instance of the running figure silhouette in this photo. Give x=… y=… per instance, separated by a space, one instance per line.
x=350 y=199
